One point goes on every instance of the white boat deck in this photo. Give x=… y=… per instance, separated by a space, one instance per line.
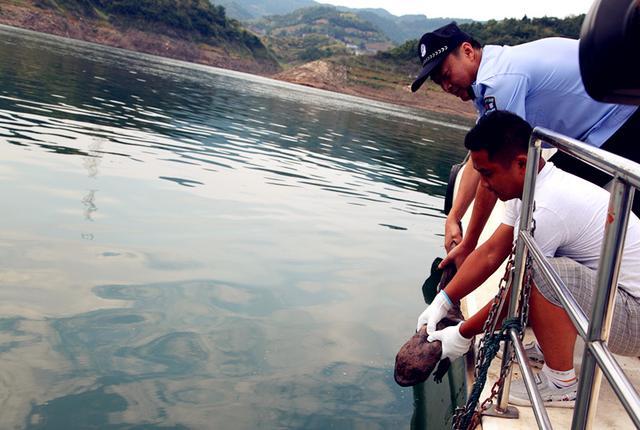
x=610 y=412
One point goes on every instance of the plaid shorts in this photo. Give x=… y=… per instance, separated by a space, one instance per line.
x=624 y=338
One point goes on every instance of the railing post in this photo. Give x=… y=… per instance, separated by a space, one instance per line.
x=526 y=216
x=604 y=301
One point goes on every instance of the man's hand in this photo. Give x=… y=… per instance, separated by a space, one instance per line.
x=454 y=345
x=457 y=255
x=452 y=233
x=435 y=312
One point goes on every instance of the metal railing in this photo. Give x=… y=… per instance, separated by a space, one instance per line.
x=597 y=358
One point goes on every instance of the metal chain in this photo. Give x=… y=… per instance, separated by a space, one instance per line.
x=492 y=319
x=525 y=290
x=488 y=329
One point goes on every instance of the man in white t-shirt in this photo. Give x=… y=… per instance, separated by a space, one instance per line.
x=570 y=215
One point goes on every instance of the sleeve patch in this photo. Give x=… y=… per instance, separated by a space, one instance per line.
x=489 y=104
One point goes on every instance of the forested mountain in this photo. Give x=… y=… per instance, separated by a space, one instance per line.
x=252 y=9
x=515 y=31
x=316 y=32
x=194 y=30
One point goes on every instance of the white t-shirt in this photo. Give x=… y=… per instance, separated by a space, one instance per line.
x=540 y=81
x=570 y=215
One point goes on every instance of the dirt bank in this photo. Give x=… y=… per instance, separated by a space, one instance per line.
x=341 y=78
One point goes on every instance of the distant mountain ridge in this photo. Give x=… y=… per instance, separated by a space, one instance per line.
x=397 y=28
x=245 y=10
x=402 y=28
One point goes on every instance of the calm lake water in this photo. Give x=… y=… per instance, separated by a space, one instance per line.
x=185 y=247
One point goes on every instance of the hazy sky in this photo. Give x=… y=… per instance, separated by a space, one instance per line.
x=480 y=10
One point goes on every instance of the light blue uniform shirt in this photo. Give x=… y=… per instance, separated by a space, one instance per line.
x=540 y=81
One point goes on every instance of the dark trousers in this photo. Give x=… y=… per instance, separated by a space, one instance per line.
x=625 y=142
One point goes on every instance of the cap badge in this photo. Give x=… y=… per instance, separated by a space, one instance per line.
x=434 y=54
x=423 y=50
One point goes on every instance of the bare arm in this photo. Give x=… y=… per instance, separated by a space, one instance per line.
x=482 y=207
x=481 y=263
x=464 y=197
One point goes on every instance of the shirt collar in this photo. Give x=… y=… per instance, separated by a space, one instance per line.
x=546 y=171
x=489 y=53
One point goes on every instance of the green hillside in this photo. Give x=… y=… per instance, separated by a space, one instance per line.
x=516 y=31
x=317 y=32
x=195 y=20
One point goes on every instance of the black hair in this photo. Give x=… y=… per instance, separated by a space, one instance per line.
x=474 y=44
x=504 y=135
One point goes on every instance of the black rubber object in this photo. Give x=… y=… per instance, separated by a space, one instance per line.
x=609 y=60
x=448 y=197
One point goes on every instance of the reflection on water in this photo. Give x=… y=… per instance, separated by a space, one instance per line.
x=190 y=248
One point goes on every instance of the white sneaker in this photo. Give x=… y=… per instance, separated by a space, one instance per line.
x=536 y=359
x=552 y=396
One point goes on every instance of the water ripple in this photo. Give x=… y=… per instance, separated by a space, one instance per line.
x=145 y=133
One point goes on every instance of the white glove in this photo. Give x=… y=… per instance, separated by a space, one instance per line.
x=454 y=345
x=435 y=312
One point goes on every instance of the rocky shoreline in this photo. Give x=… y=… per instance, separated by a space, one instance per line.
x=319 y=74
